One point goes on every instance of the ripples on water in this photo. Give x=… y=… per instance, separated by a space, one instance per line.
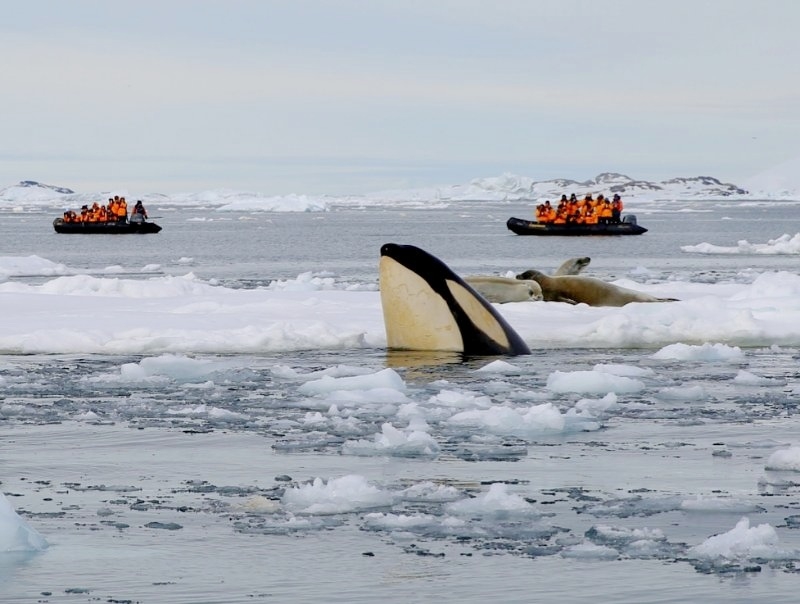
x=169 y=489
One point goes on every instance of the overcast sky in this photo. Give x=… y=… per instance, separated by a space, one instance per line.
x=352 y=96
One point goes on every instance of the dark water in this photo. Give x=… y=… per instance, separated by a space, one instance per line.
x=143 y=501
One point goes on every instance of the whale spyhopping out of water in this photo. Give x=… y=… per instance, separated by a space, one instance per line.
x=426 y=306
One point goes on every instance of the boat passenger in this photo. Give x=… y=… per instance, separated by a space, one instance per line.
x=549 y=212
x=122 y=210
x=589 y=215
x=573 y=214
x=138 y=213
x=616 y=208
x=604 y=212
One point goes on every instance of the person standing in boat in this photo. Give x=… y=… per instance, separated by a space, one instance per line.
x=122 y=210
x=616 y=208
x=138 y=213
x=605 y=212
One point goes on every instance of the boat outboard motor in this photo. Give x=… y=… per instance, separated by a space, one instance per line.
x=629 y=218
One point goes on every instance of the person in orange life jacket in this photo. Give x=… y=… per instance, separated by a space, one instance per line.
x=589 y=215
x=549 y=213
x=616 y=208
x=122 y=210
x=604 y=212
x=92 y=214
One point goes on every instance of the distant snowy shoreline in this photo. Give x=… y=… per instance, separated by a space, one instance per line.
x=504 y=188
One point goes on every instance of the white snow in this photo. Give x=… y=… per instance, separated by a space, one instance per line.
x=184 y=314
x=785 y=244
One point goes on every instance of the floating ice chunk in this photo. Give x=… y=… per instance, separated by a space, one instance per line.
x=705 y=352
x=15 y=534
x=286 y=372
x=497 y=502
x=343 y=495
x=617 y=535
x=590 y=551
x=453 y=398
x=430 y=492
x=175 y=366
x=258 y=504
x=498 y=366
x=683 y=393
x=785 y=459
x=403 y=522
x=745 y=378
x=592 y=382
x=597 y=407
x=526 y=423
x=86 y=416
x=742 y=542
x=307 y=281
x=394 y=442
x=208 y=411
x=384 y=379
x=625 y=370
x=720 y=504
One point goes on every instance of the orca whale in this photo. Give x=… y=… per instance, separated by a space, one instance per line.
x=426 y=306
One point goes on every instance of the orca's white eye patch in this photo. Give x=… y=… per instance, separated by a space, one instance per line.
x=481 y=317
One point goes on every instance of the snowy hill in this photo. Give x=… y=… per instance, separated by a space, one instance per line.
x=510 y=187
x=32 y=191
x=781 y=181
x=29 y=195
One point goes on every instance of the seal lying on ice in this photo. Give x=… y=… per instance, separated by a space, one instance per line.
x=505 y=289
x=578 y=289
